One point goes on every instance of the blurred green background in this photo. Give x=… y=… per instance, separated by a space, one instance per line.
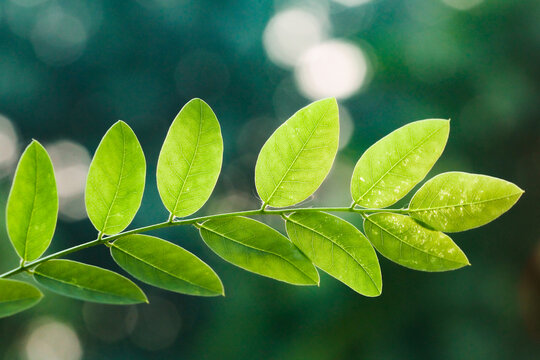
x=70 y=68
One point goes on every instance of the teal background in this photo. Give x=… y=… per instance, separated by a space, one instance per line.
x=140 y=61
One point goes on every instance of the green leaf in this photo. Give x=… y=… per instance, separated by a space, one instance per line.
x=87 y=282
x=458 y=201
x=159 y=263
x=17 y=296
x=338 y=248
x=404 y=241
x=190 y=159
x=115 y=183
x=258 y=248
x=297 y=157
x=32 y=206
x=391 y=167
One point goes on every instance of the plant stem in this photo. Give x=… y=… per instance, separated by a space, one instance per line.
x=262 y=211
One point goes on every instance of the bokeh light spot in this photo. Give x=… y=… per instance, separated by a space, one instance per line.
x=158 y=324
x=462 y=4
x=8 y=145
x=58 y=38
x=346 y=126
x=351 y=3
x=334 y=68
x=292 y=32
x=71 y=162
x=109 y=323
x=52 y=340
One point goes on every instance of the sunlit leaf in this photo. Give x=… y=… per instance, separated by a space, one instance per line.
x=258 y=248
x=32 y=206
x=391 y=167
x=404 y=241
x=190 y=159
x=297 y=157
x=457 y=201
x=115 y=183
x=17 y=296
x=338 y=248
x=87 y=282
x=158 y=262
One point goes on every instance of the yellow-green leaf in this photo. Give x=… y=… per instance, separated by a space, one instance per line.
x=458 y=201
x=87 y=282
x=338 y=248
x=404 y=241
x=295 y=160
x=115 y=183
x=258 y=248
x=190 y=159
x=17 y=296
x=32 y=206
x=391 y=167
x=160 y=263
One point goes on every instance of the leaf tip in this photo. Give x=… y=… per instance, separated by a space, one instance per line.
x=35 y=143
x=120 y=123
x=197 y=100
x=141 y=296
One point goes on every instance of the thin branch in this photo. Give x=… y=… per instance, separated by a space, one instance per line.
x=194 y=221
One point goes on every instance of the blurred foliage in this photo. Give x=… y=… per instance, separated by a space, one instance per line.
x=69 y=69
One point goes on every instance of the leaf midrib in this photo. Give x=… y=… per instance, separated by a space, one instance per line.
x=297 y=154
x=160 y=269
x=464 y=204
x=21 y=299
x=339 y=246
x=85 y=288
x=192 y=159
x=25 y=252
x=414 y=247
x=399 y=161
x=255 y=248
x=119 y=179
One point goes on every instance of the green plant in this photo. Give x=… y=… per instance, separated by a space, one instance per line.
x=291 y=166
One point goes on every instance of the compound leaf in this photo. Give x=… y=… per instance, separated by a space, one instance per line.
x=458 y=201
x=258 y=248
x=115 y=183
x=297 y=157
x=338 y=248
x=160 y=263
x=402 y=240
x=190 y=159
x=87 y=282
x=391 y=167
x=32 y=207
x=17 y=296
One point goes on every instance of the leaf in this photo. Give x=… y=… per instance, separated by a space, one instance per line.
x=297 y=157
x=115 y=183
x=159 y=263
x=258 y=248
x=338 y=248
x=190 y=159
x=87 y=282
x=32 y=206
x=391 y=167
x=17 y=296
x=404 y=241
x=458 y=201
